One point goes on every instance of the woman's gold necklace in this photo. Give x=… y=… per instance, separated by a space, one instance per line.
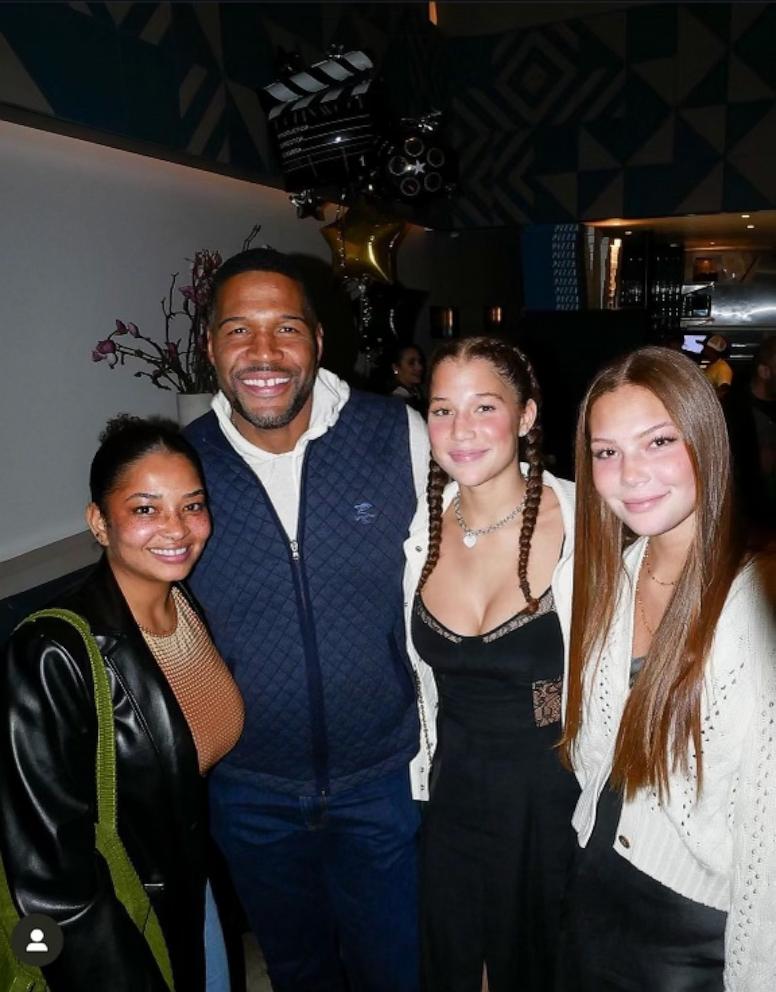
x=651 y=574
x=642 y=611
x=162 y=633
x=639 y=601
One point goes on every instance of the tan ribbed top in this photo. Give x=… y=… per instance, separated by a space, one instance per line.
x=203 y=685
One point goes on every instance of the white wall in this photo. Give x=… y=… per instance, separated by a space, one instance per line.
x=89 y=234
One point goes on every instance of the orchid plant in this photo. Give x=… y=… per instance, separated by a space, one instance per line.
x=180 y=362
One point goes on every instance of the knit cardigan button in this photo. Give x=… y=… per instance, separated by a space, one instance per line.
x=624 y=841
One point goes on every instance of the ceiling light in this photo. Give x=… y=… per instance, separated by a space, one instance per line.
x=712 y=242
x=629 y=232
x=745 y=216
x=749 y=227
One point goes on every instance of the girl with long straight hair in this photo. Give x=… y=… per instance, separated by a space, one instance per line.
x=671 y=710
x=489 y=604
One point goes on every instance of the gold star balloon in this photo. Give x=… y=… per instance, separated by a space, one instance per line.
x=362 y=242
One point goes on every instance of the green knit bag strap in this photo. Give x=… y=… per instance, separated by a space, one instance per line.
x=126 y=882
x=15 y=976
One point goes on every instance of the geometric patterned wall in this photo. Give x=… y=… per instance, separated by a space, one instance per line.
x=657 y=109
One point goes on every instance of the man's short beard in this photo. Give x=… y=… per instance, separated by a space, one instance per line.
x=271 y=421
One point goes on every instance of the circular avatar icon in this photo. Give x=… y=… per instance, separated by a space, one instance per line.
x=37 y=939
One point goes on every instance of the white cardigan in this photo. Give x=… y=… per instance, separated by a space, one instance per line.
x=415 y=550
x=719 y=849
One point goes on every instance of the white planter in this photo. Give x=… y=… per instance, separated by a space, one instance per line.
x=191 y=406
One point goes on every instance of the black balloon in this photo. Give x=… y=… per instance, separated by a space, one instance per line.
x=395 y=311
x=415 y=164
x=324 y=122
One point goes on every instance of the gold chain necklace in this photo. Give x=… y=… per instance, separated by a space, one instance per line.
x=639 y=602
x=643 y=613
x=652 y=575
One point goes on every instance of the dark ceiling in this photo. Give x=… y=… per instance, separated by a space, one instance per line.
x=458 y=17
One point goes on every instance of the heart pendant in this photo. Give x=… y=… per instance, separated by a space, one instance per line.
x=469 y=539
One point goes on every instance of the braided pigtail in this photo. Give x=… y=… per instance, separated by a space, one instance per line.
x=533 y=497
x=437 y=479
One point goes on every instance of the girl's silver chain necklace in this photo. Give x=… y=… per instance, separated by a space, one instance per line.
x=470 y=536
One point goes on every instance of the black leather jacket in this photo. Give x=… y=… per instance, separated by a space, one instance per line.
x=48 y=801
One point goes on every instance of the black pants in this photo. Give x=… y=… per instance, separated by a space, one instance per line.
x=626 y=932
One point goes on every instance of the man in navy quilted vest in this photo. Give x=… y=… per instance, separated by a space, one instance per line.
x=312 y=489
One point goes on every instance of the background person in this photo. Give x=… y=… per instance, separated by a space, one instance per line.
x=312 y=488
x=408 y=369
x=762 y=402
x=750 y=411
x=672 y=697
x=493 y=577
x=717 y=371
x=176 y=710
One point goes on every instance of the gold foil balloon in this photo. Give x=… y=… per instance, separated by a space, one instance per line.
x=362 y=243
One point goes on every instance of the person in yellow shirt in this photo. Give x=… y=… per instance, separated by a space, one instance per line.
x=718 y=372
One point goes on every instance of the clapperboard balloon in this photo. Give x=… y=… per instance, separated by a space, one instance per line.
x=324 y=122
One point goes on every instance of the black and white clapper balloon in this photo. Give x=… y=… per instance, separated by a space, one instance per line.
x=324 y=121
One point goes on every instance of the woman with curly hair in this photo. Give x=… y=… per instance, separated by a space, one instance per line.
x=488 y=619
x=671 y=698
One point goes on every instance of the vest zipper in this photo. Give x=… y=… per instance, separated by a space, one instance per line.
x=318 y=731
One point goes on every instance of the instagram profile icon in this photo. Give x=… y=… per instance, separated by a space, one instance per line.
x=37 y=940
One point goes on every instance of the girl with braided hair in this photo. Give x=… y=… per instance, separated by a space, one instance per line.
x=488 y=616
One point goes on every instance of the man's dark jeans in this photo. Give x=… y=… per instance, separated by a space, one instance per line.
x=329 y=884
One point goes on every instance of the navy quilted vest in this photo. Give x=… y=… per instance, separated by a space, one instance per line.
x=314 y=631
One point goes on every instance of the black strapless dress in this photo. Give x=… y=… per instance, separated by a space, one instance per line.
x=497 y=836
